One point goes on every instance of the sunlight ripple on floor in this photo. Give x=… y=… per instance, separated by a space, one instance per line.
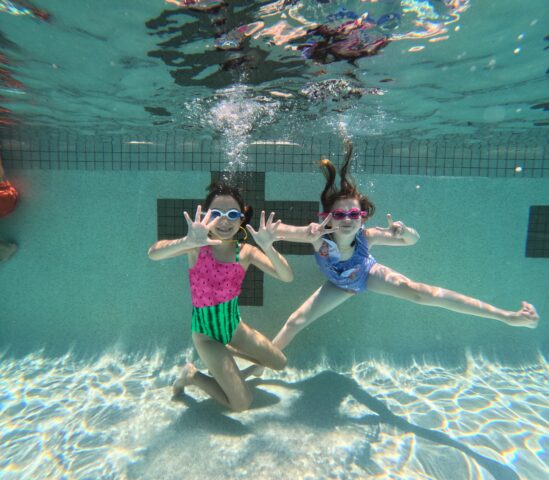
x=112 y=417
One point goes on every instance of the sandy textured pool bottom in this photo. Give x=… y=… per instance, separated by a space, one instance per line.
x=113 y=418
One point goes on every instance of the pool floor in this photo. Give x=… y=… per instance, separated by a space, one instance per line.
x=113 y=418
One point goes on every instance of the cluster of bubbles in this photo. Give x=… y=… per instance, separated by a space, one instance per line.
x=236 y=115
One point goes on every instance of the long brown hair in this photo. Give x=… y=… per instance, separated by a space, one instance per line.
x=347 y=188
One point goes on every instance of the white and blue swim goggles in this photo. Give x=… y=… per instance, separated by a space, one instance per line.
x=233 y=214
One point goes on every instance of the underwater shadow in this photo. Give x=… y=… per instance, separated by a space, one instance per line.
x=200 y=420
x=321 y=396
x=208 y=416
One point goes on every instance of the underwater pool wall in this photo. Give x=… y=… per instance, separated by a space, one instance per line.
x=81 y=278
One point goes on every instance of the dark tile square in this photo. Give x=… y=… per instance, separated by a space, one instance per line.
x=537 y=240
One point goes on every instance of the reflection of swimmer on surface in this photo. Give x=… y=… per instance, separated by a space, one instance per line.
x=361 y=36
x=217 y=12
x=199 y=5
x=336 y=89
x=230 y=28
x=234 y=39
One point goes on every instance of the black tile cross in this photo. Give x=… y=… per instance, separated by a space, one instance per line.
x=171 y=223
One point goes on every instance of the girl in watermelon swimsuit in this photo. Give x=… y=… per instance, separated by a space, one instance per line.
x=218 y=265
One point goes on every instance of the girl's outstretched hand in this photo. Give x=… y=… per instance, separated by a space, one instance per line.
x=399 y=230
x=526 y=316
x=318 y=230
x=266 y=235
x=396 y=229
x=200 y=228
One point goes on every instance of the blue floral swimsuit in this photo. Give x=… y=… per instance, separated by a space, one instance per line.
x=351 y=274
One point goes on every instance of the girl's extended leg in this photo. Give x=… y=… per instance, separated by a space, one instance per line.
x=319 y=303
x=388 y=282
x=227 y=385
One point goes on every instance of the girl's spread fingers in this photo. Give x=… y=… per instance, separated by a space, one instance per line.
x=262 y=219
x=198 y=213
x=213 y=223
x=207 y=217
x=187 y=218
x=326 y=220
x=389 y=219
x=271 y=218
x=250 y=229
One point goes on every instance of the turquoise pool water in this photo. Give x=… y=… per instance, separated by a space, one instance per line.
x=107 y=109
x=94 y=334
x=452 y=67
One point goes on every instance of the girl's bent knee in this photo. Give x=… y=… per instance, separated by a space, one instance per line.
x=280 y=362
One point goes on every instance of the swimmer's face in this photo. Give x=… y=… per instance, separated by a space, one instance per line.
x=225 y=229
x=347 y=226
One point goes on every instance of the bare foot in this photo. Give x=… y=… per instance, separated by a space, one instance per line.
x=527 y=316
x=185 y=379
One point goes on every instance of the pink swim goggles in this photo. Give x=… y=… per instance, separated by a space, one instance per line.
x=340 y=214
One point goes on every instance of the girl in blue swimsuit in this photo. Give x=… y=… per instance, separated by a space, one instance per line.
x=341 y=244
